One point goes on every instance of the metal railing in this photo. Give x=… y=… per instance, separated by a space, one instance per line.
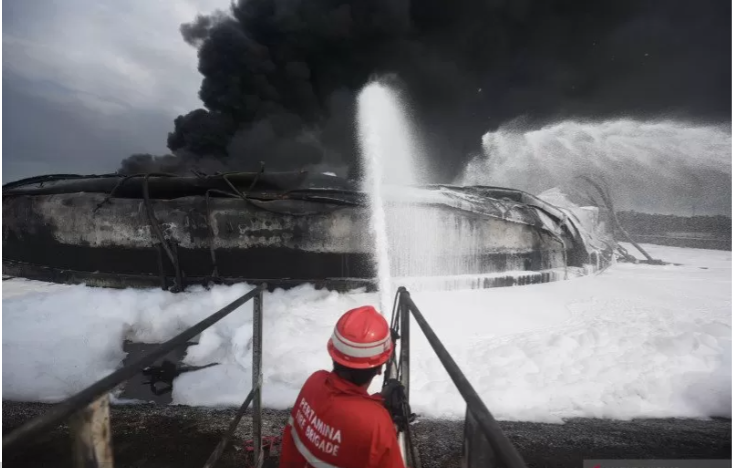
x=485 y=444
x=88 y=410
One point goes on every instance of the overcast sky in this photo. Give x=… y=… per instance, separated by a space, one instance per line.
x=88 y=82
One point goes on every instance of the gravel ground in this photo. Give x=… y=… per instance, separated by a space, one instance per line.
x=156 y=436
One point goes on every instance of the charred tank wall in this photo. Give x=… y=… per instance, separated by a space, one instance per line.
x=260 y=240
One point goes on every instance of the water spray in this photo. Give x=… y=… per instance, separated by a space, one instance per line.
x=652 y=166
x=389 y=154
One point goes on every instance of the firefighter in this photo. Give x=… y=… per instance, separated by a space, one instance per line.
x=335 y=422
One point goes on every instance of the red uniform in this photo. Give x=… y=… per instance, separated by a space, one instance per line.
x=336 y=424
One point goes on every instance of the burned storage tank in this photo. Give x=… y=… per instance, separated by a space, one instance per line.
x=286 y=229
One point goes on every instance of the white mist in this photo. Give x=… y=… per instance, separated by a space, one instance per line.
x=653 y=166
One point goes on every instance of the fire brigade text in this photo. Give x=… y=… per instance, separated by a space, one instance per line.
x=318 y=432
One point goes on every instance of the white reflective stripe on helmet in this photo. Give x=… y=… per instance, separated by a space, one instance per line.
x=359 y=345
x=309 y=457
x=359 y=350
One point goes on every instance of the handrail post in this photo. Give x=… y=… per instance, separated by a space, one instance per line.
x=257 y=379
x=412 y=457
x=405 y=347
x=254 y=393
x=91 y=435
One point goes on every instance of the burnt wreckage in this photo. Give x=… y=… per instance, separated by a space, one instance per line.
x=287 y=228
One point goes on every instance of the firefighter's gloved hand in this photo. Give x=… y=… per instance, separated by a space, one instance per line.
x=396 y=403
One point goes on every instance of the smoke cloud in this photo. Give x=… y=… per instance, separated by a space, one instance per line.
x=280 y=77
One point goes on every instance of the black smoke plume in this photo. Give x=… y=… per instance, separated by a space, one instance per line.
x=280 y=76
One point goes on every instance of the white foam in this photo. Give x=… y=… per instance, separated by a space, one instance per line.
x=636 y=341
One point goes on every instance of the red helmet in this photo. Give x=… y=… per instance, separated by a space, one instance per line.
x=361 y=339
